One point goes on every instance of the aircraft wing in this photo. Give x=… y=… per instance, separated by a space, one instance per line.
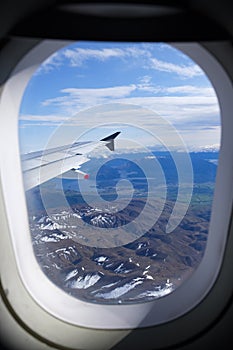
x=41 y=166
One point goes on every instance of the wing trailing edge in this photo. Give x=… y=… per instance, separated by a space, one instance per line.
x=41 y=166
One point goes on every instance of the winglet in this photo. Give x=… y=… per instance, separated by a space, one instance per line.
x=110 y=140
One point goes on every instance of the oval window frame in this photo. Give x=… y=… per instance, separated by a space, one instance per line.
x=53 y=299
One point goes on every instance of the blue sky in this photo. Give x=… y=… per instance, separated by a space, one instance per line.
x=71 y=91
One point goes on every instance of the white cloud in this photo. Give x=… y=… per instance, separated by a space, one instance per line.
x=176 y=103
x=186 y=71
x=77 y=56
x=193 y=110
x=176 y=109
x=52 y=62
x=190 y=90
x=77 y=99
x=198 y=126
x=146 y=79
x=112 y=92
x=47 y=117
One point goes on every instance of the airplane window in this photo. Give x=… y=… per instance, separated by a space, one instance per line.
x=119 y=152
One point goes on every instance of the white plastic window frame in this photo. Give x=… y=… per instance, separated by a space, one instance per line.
x=102 y=316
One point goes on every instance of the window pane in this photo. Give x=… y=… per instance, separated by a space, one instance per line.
x=128 y=222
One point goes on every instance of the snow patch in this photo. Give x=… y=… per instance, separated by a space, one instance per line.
x=117 y=292
x=84 y=282
x=159 y=291
x=101 y=259
x=71 y=274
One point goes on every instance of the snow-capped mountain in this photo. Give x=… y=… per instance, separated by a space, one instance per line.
x=150 y=267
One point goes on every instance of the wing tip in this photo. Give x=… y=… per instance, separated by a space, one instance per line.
x=111 y=137
x=109 y=140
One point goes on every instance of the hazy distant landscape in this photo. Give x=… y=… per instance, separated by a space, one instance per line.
x=146 y=268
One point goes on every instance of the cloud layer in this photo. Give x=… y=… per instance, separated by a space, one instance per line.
x=77 y=57
x=162 y=80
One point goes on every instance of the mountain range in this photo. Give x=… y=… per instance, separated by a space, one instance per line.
x=148 y=267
